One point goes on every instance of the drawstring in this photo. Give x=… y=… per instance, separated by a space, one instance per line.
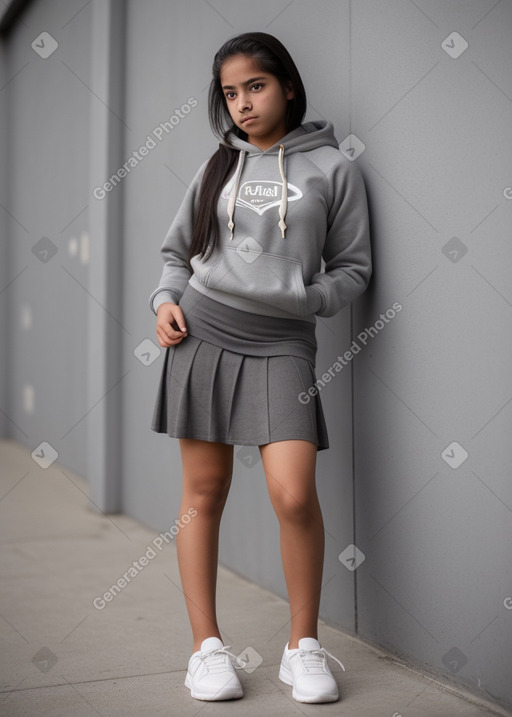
x=284 y=195
x=283 y=206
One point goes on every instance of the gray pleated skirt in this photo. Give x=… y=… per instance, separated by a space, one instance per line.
x=239 y=378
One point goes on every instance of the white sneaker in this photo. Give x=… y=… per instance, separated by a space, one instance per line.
x=211 y=675
x=307 y=670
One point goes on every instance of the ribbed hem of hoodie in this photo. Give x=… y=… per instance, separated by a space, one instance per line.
x=240 y=302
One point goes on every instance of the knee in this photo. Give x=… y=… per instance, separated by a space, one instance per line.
x=294 y=508
x=208 y=491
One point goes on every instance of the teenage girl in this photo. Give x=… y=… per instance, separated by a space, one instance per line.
x=236 y=305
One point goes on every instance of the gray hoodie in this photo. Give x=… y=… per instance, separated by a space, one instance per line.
x=282 y=211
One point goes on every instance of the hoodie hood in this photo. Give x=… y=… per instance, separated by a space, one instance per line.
x=318 y=133
x=308 y=136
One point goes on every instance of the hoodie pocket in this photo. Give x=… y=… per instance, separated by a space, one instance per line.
x=267 y=278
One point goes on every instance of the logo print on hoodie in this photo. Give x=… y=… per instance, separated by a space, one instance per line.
x=260 y=195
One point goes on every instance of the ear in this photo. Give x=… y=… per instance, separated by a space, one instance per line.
x=290 y=92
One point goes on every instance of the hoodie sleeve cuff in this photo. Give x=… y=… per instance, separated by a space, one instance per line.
x=162 y=297
x=314 y=299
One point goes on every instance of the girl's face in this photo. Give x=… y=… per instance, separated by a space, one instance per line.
x=255 y=100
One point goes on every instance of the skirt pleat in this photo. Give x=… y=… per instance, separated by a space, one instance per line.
x=210 y=393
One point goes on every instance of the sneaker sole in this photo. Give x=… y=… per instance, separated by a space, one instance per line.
x=232 y=693
x=286 y=676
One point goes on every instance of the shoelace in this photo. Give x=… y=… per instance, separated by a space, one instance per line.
x=315 y=659
x=215 y=660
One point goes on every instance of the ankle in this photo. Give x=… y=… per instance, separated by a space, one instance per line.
x=293 y=644
x=196 y=645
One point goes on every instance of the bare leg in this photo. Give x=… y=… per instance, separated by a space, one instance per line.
x=207 y=472
x=290 y=471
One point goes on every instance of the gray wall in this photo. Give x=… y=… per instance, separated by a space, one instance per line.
x=435 y=578
x=436 y=531
x=44 y=213
x=4 y=257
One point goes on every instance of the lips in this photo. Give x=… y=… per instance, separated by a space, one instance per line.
x=245 y=119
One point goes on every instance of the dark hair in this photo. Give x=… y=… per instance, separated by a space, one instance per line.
x=273 y=58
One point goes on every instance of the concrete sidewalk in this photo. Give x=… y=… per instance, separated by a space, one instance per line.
x=61 y=655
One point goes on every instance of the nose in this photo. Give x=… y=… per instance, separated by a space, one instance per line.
x=244 y=102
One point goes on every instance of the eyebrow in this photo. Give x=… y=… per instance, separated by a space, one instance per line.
x=249 y=82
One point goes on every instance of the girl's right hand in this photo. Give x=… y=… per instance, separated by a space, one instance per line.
x=170 y=324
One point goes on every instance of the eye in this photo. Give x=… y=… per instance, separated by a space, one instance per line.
x=230 y=95
x=258 y=85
